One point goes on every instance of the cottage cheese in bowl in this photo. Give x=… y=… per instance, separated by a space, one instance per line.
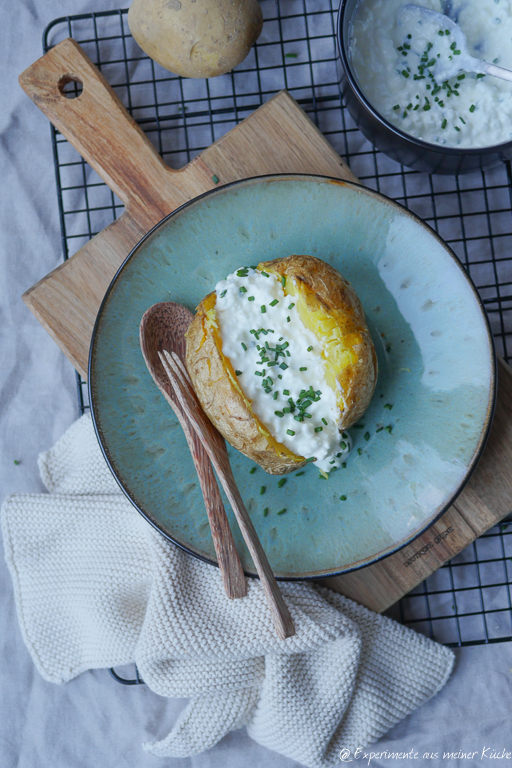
x=394 y=57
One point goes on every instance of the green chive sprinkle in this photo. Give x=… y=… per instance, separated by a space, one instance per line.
x=276 y=395
x=281 y=482
x=344 y=465
x=244 y=347
x=291 y=55
x=283 y=281
x=396 y=107
x=252 y=470
x=379 y=429
x=388 y=406
x=282 y=511
x=298 y=474
x=405 y=73
x=16 y=461
x=290 y=432
x=283 y=366
x=263 y=489
x=319 y=429
x=366 y=436
x=242 y=272
x=444 y=123
x=291 y=306
x=303 y=368
x=286 y=392
x=457 y=129
x=311 y=458
x=310 y=349
x=238 y=373
x=265 y=512
x=324 y=421
x=274 y=302
x=359 y=426
x=223 y=294
x=441 y=33
x=343 y=498
x=243 y=290
x=343 y=445
x=265 y=274
x=389 y=428
x=263 y=309
x=215 y=179
x=479 y=77
x=279 y=414
x=287 y=319
x=359 y=450
x=250 y=298
x=472 y=108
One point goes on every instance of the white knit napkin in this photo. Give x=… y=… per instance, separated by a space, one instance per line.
x=96 y=586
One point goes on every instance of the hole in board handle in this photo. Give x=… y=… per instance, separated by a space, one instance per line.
x=70 y=86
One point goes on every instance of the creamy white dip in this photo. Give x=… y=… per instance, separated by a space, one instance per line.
x=390 y=60
x=279 y=366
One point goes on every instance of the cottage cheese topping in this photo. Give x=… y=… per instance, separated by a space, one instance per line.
x=279 y=366
x=394 y=57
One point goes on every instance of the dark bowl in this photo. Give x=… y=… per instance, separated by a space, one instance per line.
x=403 y=147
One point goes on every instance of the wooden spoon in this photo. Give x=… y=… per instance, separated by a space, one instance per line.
x=162 y=328
x=216 y=449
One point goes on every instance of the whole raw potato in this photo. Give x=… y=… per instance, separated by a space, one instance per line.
x=196 y=38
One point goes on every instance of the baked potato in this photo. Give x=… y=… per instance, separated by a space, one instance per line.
x=325 y=312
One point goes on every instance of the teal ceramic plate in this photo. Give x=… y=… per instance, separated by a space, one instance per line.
x=423 y=432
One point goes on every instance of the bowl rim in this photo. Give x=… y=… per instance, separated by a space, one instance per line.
x=461 y=152
x=486 y=426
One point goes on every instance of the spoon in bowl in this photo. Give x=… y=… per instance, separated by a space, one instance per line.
x=462 y=62
x=162 y=328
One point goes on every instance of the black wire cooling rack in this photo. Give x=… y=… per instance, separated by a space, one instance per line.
x=468 y=601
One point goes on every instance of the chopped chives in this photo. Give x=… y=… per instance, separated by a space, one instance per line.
x=265 y=512
x=343 y=445
x=389 y=428
x=215 y=179
x=472 y=108
x=359 y=450
x=286 y=391
x=396 y=107
x=263 y=489
x=274 y=302
x=319 y=429
x=244 y=347
x=287 y=319
x=263 y=309
x=276 y=395
x=265 y=274
x=290 y=432
x=238 y=373
x=303 y=368
x=310 y=349
x=279 y=414
x=366 y=436
x=311 y=458
x=343 y=498
x=223 y=294
x=281 y=482
x=291 y=306
x=344 y=465
x=252 y=470
x=298 y=474
x=250 y=298
x=324 y=421
x=282 y=511
x=283 y=366
x=388 y=406
x=243 y=289
x=283 y=281
x=444 y=123
x=379 y=429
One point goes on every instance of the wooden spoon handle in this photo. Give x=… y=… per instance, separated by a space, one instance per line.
x=216 y=450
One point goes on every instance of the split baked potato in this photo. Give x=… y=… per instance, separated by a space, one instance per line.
x=329 y=307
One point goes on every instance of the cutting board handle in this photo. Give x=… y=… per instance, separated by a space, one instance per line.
x=99 y=127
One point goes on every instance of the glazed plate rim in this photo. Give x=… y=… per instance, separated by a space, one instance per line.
x=486 y=425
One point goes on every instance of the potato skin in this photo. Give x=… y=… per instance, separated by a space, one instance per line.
x=325 y=292
x=196 y=38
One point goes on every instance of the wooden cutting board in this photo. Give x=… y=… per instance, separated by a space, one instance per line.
x=277 y=138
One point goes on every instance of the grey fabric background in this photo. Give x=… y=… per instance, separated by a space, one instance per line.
x=93 y=721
